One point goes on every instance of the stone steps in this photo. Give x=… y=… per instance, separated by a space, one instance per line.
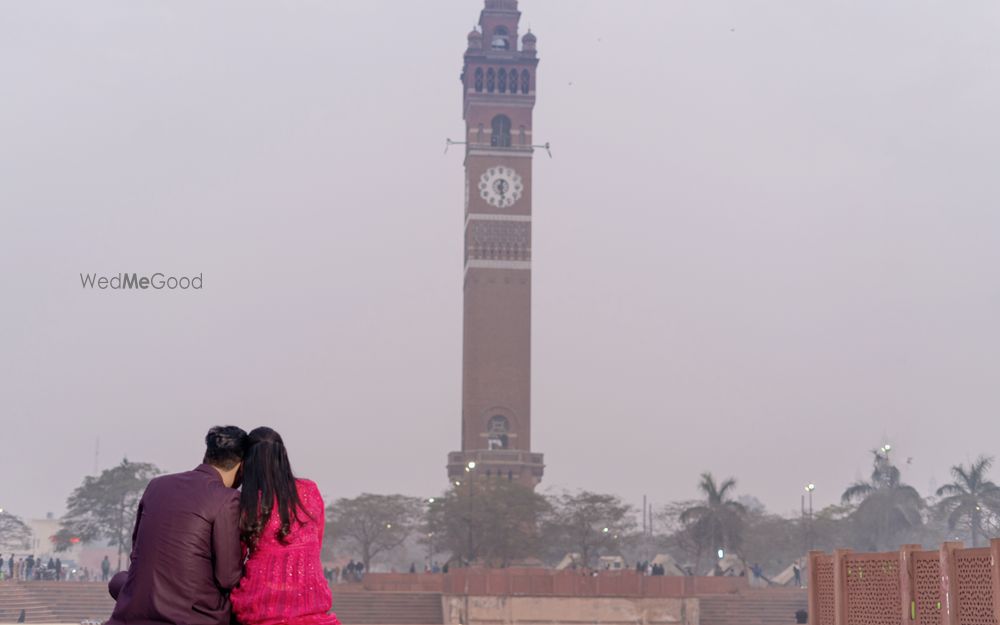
x=14 y=598
x=755 y=607
x=388 y=608
x=55 y=602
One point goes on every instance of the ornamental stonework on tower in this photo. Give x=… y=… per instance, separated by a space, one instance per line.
x=498 y=87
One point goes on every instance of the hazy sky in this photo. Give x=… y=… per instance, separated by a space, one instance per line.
x=768 y=241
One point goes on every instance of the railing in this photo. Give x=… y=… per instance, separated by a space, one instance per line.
x=495 y=456
x=950 y=586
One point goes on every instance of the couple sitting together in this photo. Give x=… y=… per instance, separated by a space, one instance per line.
x=204 y=553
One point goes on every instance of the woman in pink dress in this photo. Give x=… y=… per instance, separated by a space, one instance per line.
x=281 y=522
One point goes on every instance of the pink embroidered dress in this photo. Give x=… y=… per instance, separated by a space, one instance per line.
x=283 y=584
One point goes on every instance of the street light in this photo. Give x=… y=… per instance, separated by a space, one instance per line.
x=810 y=487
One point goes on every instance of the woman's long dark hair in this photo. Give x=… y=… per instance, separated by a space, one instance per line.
x=267 y=482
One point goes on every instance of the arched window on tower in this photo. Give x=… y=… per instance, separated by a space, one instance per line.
x=496 y=432
x=479 y=79
x=501 y=132
x=490 y=80
x=525 y=81
x=500 y=39
x=502 y=81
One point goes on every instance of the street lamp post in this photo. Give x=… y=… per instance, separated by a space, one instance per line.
x=810 y=487
x=468 y=469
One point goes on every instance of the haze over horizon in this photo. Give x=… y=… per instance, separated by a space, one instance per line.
x=767 y=241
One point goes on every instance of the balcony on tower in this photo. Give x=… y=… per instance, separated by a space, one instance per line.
x=524 y=467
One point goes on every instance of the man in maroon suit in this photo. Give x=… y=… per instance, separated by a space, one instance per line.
x=186 y=553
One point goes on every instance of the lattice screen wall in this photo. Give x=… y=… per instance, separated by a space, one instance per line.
x=927 y=588
x=875 y=589
x=975 y=587
x=825 y=591
x=872 y=582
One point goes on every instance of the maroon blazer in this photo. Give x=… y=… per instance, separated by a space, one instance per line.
x=186 y=553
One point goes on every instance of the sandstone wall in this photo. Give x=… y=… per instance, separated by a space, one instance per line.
x=568 y=610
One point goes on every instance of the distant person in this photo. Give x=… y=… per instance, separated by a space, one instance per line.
x=29 y=566
x=797 y=575
x=281 y=523
x=186 y=553
x=105 y=569
x=10 y=566
x=59 y=570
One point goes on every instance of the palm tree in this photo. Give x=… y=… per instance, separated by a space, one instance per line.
x=716 y=523
x=969 y=496
x=886 y=506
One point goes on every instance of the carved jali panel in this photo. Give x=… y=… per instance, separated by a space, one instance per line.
x=824 y=592
x=927 y=590
x=873 y=594
x=975 y=587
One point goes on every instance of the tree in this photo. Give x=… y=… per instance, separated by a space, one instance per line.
x=495 y=522
x=971 y=497
x=372 y=524
x=104 y=507
x=589 y=524
x=717 y=521
x=14 y=533
x=886 y=507
x=772 y=541
x=677 y=538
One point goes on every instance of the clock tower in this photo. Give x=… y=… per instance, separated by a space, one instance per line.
x=498 y=88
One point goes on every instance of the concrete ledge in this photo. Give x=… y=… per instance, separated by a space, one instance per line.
x=489 y=610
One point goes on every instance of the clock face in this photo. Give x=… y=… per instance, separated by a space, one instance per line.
x=500 y=186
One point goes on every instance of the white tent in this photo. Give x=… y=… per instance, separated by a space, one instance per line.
x=670 y=566
x=787 y=577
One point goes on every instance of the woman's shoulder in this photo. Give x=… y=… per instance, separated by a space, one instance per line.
x=306 y=487
x=309 y=495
